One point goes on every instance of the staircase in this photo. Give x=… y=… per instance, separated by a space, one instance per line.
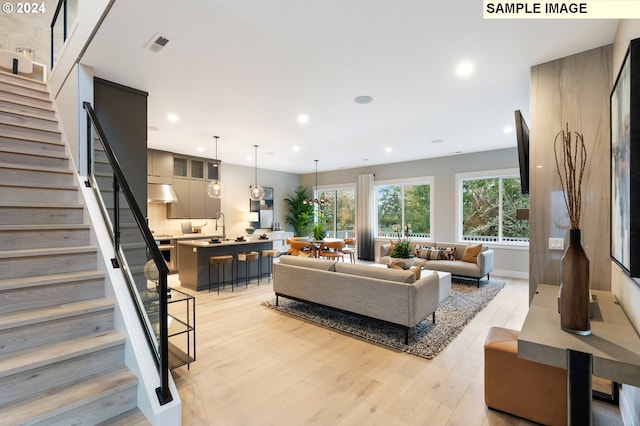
x=61 y=361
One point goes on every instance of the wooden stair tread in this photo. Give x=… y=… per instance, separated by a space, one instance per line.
x=42 y=205
x=41 y=95
x=7 y=254
x=18 y=362
x=26 y=115
x=43 y=186
x=18 y=79
x=11 y=103
x=132 y=417
x=37 y=152
x=42 y=280
x=49 y=313
x=58 y=401
x=45 y=227
x=29 y=167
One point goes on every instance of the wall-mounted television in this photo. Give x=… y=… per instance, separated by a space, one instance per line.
x=522 y=135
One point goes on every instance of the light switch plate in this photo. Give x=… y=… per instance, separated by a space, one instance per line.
x=556 y=243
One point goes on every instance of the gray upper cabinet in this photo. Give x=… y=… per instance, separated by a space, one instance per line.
x=189 y=177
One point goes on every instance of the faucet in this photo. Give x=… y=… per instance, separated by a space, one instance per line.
x=224 y=235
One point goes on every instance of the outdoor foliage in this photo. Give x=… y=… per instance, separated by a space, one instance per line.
x=339 y=213
x=413 y=199
x=481 y=203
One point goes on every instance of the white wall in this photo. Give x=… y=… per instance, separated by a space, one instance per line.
x=508 y=261
x=625 y=289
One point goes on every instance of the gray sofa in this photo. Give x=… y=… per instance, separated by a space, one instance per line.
x=457 y=267
x=389 y=295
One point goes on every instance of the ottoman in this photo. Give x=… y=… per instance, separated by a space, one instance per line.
x=526 y=389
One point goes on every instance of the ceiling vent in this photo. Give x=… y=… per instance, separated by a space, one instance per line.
x=157 y=42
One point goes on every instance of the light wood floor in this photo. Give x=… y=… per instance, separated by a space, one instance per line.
x=256 y=366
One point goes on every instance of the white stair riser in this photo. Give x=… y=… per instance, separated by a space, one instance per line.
x=49 y=295
x=41 y=215
x=28 y=122
x=33 y=84
x=11 y=131
x=24 y=100
x=34 y=160
x=35 y=176
x=28 y=239
x=43 y=195
x=25 y=91
x=30 y=145
x=44 y=265
x=63 y=373
x=28 y=110
x=54 y=331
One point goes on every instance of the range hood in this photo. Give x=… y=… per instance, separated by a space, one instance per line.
x=161 y=193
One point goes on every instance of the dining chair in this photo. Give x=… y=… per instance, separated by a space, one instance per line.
x=350 y=249
x=332 y=250
x=302 y=248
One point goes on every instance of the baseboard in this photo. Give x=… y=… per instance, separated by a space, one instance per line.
x=510 y=274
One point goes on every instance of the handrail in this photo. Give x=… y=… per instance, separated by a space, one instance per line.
x=61 y=4
x=120 y=183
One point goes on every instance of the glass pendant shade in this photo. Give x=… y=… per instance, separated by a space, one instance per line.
x=256 y=192
x=320 y=202
x=214 y=189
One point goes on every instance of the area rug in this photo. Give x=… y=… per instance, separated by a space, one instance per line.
x=425 y=339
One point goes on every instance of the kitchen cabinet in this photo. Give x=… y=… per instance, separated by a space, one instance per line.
x=159 y=163
x=180 y=209
x=180 y=166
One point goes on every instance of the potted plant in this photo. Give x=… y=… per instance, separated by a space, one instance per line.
x=401 y=249
x=300 y=215
x=319 y=231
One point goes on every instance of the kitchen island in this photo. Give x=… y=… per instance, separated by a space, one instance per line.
x=194 y=260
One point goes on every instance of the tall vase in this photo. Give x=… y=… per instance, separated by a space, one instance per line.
x=574 y=288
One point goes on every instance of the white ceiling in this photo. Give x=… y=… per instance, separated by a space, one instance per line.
x=244 y=70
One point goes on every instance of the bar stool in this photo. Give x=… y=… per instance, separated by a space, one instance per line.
x=220 y=260
x=271 y=254
x=247 y=257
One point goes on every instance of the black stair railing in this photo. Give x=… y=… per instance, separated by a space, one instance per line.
x=135 y=250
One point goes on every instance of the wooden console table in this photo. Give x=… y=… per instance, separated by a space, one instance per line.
x=612 y=351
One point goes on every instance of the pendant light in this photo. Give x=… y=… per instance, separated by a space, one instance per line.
x=320 y=202
x=256 y=192
x=214 y=189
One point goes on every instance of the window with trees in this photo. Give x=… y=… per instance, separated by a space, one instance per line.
x=487 y=207
x=404 y=208
x=339 y=214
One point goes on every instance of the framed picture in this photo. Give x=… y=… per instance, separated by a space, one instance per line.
x=625 y=160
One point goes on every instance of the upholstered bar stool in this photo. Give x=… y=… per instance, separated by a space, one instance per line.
x=270 y=254
x=220 y=260
x=247 y=258
x=517 y=386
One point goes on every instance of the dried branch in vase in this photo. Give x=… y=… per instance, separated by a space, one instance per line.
x=571 y=158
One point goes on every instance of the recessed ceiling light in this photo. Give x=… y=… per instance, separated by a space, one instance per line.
x=388 y=149
x=200 y=149
x=464 y=69
x=437 y=141
x=508 y=129
x=365 y=99
x=303 y=118
x=296 y=148
x=172 y=117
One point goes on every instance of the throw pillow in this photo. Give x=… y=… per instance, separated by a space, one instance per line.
x=471 y=252
x=449 y=252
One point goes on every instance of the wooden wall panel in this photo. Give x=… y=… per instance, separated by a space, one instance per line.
x=573 y=90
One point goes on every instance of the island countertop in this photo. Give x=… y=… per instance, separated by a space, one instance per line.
x=194 y=256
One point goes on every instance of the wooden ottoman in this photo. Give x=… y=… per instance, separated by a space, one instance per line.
x=526 y=389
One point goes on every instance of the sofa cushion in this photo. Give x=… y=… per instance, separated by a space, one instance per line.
x=471 y=252
x=396 y=275
x=309 y=262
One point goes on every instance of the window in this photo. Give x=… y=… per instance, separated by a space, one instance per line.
x=487 y=204
x=404 y=208
x=339 y=212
